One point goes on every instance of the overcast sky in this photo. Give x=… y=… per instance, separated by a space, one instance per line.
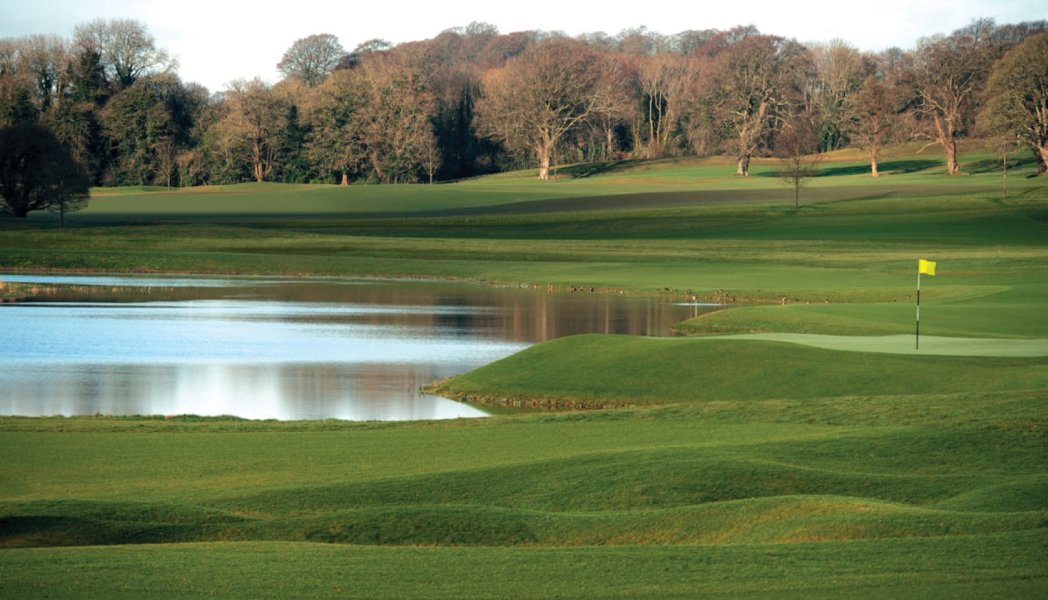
x=216 y=41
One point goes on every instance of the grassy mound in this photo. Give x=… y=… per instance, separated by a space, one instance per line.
x=600 y=371
x=783 y=493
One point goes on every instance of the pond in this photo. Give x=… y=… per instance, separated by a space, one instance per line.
x=279 y=349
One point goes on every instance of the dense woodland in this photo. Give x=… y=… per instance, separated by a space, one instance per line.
x=472 y=101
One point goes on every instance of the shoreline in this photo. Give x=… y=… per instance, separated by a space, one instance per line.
x=718 y=298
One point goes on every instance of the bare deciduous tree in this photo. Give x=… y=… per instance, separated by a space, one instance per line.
x=430 y=157
x=797 y=146
x=473 y=101
x=948 y=76
x=873 y=118
x=616 y=82
x=127 y=49
x=16 y=86
x=664 y=80
x=754 y=82
x=312 y=58
x=1017 y=93
x=540 y=96
x=46 y=59
x=336 y=141
x=397 y=129
x=258 y=117
x=839 y=73
x=9 y=50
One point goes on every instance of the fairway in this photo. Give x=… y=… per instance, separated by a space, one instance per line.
x=913 y=569
x=793 y=443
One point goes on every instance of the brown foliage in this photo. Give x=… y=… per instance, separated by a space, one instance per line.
x=541 y=95
x=752 y=85
x=948 y=75
x=1017 y=92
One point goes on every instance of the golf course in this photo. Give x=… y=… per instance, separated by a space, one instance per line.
x=797 y=442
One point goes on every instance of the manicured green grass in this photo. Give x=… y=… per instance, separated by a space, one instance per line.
x=812 y=497
x=841 y=251
x=644 y=228
x=732 y=467
x=991 y=566
x=912 y=344
x=600 y=370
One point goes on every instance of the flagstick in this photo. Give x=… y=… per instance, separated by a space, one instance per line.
x=917 y=346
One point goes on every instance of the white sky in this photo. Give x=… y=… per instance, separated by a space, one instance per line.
x=216 y=41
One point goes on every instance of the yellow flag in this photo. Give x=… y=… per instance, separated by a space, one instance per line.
x=925 y=267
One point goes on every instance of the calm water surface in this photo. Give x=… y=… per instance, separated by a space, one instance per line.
x=278 y=349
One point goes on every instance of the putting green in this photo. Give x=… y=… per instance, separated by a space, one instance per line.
x=905 y=344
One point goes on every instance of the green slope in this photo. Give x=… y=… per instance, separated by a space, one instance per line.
x=598 y=371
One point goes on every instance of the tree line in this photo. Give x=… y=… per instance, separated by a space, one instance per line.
x=472 y=101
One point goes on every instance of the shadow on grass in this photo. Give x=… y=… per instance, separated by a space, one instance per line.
x=993 y=165
x=885 y=168
x=893 y=166
x=583 y=170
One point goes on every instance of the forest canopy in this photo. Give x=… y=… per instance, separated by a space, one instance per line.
x=473 y=100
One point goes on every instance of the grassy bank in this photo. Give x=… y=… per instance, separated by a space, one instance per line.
x=605 y=371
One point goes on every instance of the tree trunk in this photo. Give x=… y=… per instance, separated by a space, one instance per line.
x=949 y=143
x=544 y=151
x=256 y=154
x=651 y=128
x=376 y=165
x=743 y=170
x=1042 y=164
x=873 y=167
x=951 y=158
x=345 y=178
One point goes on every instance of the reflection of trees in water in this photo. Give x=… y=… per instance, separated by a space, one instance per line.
x=551 y=316
x=390 y=338
x=514 y=314
x=103 y=293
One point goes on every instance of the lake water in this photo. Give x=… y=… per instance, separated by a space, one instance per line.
x=279 y=349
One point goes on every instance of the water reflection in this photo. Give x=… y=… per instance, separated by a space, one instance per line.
x=252 y=391
x=278 y=349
